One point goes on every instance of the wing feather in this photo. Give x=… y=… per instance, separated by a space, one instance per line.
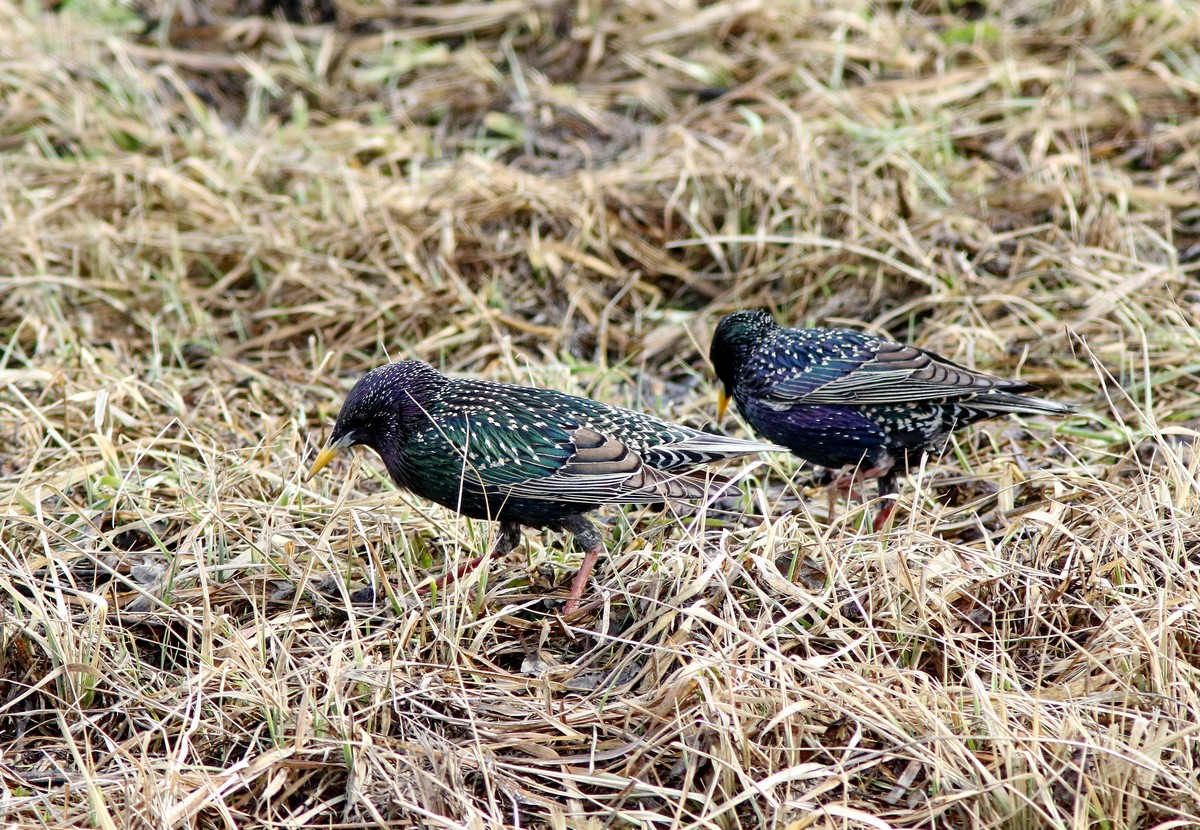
x=603 y=469
x=867 y=370
x=565 y=462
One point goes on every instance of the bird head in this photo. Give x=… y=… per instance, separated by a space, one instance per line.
x=380 y=409
x=736 y=337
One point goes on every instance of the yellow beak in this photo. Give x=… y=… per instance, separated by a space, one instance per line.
x=323 y=457
x=722 y=404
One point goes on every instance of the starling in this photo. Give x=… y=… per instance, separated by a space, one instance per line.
x=841 y=398
x=519 y=455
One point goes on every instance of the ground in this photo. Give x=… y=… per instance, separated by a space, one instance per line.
x=216 y=216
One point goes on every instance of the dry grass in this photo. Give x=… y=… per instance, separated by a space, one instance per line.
x=210 y=227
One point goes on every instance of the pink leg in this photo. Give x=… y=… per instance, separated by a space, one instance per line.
x=888 y=486
x=884 y=515
x=457 y=573
x=849 y=483
x=581 y=578
x=510 y=537
x=588 y=538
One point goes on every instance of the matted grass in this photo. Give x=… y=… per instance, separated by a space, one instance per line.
x=213 y=223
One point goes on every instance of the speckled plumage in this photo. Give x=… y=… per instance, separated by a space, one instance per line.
x=520 y=455
x=841 y=398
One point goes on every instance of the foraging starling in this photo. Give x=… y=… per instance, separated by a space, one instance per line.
x=837 y=397
x=521 y=456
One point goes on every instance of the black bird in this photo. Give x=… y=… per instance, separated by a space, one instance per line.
x=837 y=397
x=519 y=455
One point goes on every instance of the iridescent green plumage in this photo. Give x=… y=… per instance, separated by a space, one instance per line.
x=520 y=455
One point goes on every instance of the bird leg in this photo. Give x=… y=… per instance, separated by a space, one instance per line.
x=831 y=494
x=589 y=539
x=887 y=487
x=883 y=515
x=849 y=483
x=508 y=538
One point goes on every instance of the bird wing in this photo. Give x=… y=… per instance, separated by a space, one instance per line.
x=604 y=469
x=559 y=462
x=871 y=371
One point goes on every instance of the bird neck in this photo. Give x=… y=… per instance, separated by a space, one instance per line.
x=420 y=394
x=392 y=455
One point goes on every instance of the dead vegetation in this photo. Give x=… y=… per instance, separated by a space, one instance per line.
x=213 y=221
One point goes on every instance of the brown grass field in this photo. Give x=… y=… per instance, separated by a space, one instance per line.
x=217 y=215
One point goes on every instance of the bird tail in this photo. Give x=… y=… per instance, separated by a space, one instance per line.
x=703 y=448
x=1001 y=403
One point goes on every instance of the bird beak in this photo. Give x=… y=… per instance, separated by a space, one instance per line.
x=326 y=455
x=722 y=403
